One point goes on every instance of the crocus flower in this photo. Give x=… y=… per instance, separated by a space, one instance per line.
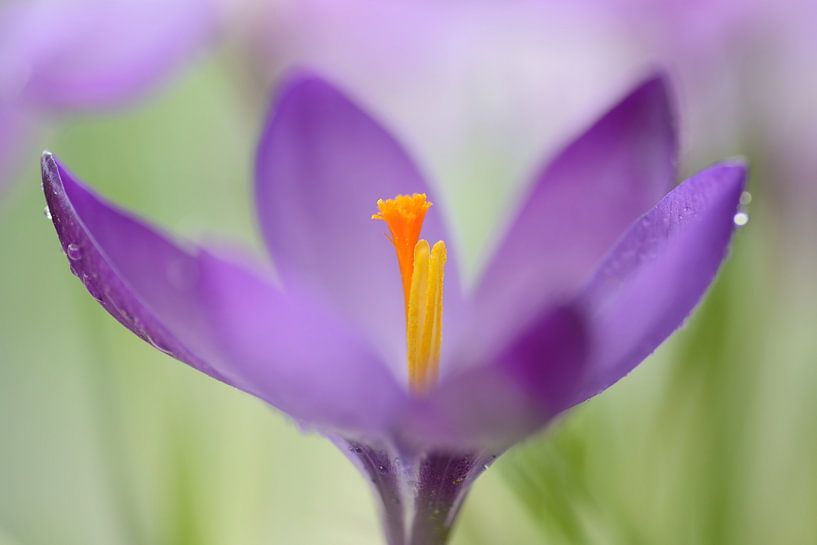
x=372 y=340
x=82 y=55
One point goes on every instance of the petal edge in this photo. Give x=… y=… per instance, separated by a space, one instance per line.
x=656 y=275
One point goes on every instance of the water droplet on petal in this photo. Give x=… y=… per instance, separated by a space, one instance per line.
x=741 y=219
x=47 y=212
x=382 y=468
x=73 y=252
x=745 y=198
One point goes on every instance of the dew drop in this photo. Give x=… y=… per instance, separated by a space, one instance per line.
x=47 y=212
x=73 y=252
x=382 y=468
x=745 y=198
x=741 y=219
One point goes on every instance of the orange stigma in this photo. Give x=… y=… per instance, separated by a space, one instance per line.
x=404 y=216
x=421 y=270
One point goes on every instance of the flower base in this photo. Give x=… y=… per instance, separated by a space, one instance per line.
x=420 y=493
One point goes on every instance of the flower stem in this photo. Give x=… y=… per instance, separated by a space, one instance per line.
x=420 y=492
x=444 y=483
x=385 y=477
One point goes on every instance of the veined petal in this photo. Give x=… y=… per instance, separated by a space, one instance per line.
x=528 y=382
x=294 y=353
x=657 y=273
x=579 y=206
x=93 y=52
x=322 y=164
x=136 y=273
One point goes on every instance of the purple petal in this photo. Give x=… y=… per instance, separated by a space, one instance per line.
x=80 y=55
x=659 y=271
x=137 y=274
x=579 y=207
x=528 y=383
x=293 y=353
x=322 y=164
x=219 y=319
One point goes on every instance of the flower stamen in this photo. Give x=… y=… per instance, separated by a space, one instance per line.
x=424 y=324
x=422 y=272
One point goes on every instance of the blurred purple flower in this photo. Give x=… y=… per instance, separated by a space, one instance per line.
x=586 y=281
x=444 y=74
x=74 y=56
x=744 y=71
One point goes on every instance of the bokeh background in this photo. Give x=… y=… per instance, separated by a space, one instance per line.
x=104 y=440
